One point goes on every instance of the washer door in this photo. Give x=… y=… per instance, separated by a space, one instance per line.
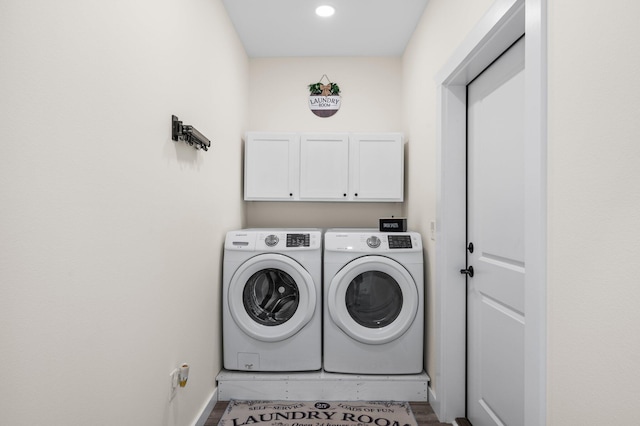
x=373 y=299
x=271 y=297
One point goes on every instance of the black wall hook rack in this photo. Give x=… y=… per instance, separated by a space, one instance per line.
x=188 y=134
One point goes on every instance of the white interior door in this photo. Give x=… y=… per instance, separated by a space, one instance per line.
x=495 y=227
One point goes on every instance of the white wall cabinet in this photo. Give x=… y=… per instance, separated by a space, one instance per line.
x=271 y=166
x=376 y=167
x=324 y=167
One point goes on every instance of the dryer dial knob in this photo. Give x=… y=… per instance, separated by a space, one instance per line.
x=373 y=242
x=271 y=240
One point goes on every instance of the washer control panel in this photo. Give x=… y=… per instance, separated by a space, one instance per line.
x=271 y=240
x=274 y=240
x=298 y=240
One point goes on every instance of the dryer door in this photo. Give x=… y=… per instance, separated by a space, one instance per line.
x=271 y=297
x=373 y=299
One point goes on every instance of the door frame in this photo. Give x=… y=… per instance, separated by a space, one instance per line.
x=503 y=24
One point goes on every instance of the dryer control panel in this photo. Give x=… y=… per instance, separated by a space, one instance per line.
x=400 y=242
x=372 y=242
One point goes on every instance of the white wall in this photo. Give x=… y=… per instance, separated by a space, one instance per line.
x=594 y=212
x=371 y=102
x=111 y=233
x=443 y=26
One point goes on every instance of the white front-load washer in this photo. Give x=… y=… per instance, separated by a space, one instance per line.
x=373 y=302
x=271 y=297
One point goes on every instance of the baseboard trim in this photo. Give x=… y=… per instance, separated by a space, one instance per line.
x=433 y=401
x=208 y=408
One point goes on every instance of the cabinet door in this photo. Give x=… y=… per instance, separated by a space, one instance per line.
x=324 y=167
x=376 y=167
x=271 y=166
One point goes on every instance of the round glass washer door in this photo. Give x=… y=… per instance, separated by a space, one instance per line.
x=373 y=299
x=271 y=297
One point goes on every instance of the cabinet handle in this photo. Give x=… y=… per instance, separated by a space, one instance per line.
x=291 y=194
x=356 y=194
x=344 y=195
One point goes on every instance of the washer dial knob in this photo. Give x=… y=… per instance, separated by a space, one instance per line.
x=373 y=242
x=271 y=240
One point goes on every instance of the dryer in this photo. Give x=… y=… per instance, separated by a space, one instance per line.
x=271 y=297
x=373 y=302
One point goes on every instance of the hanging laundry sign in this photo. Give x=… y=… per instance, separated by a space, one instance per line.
x=324 y=99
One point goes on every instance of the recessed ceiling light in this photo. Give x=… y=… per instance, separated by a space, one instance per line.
x=325 y=11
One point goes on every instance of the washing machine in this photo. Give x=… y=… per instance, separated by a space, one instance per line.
x=373 y=302
x=272 y=316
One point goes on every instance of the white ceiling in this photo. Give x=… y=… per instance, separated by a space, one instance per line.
x=277 y=28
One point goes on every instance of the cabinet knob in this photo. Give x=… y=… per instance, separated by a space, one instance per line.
x=291 y=194
x=356 y=194
x=344 y=195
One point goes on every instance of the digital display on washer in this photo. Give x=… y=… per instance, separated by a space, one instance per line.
x=399 y=241
x=298 y=240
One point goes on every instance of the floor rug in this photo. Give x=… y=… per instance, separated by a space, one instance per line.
x=317 y=413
